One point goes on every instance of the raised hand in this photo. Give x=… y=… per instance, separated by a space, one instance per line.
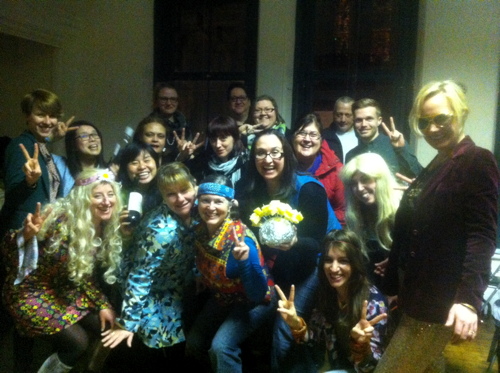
x=113 y=337
x=31 y=168
x=396 y=137
x=241 y=249
x=380 y=267
x=186 y=148
x=286 y=308
x=33 y=222
x=63 y=127
x=362 y=333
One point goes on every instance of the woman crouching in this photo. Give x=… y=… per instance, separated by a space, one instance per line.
x=51 y=290
x=348 y=322
x=229 y=259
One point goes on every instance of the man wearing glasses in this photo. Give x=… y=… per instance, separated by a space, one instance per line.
x=238 y=102
x=393 y=148
x=165 y=104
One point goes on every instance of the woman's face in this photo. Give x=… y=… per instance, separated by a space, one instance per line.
x=337 y=269
x=268 y=167
x=180 y=199
x=307 y=142
x=155 y=135
x=364 y=188
x=213 y=210
x=222 y=146
x=442 y=138
x=41 y=124
x=88 y=141
x=264 y=113
x=142 y=168
x=102 y=203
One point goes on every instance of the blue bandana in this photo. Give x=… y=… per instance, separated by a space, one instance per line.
x=217 y=189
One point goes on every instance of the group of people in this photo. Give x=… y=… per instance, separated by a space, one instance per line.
x=190 y=281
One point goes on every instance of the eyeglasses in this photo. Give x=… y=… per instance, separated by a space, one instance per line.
x=439 y=120
x=166 y=99
x=313 y=135
x=267 y=110
x=88 y=136
x=238 y=98
x=274 y=154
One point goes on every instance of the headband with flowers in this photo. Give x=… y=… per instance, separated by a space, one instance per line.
x=101 y=175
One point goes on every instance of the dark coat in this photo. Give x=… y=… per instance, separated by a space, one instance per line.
x=20 y=199
x=444 y=239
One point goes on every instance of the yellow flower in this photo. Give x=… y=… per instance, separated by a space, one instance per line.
x=255 y=219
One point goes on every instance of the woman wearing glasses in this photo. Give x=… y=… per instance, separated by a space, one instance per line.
x=272 y=175
x=444 y=236
x=83 y=148
x=315 y=157
x=265 y=116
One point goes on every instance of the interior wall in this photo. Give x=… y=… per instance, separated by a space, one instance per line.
x=460 y=40
x=276 y=53
x=17 y=56
x=103 y=61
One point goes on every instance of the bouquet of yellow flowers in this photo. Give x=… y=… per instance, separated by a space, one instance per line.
x=276 y=223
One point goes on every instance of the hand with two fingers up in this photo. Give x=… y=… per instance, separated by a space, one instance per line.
x=241 y=249
x=31 y=168
x=396 y=137
x=362 y=333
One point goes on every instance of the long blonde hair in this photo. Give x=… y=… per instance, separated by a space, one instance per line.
x=386 y=196
x=71 y=218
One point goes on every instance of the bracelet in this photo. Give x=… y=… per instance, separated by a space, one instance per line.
x=466 y=305
x=299 y=334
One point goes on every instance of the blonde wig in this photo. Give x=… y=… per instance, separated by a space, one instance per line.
x=387 y=198
x=455 y=95
x=71 y=217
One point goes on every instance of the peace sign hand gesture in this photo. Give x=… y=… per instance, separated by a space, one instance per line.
x=31 y=168
x=362 y=333
x=286 y=308
x=33 y=222
x=62 y=128
x=241 y=249
x=186 y=148
x=396 y=137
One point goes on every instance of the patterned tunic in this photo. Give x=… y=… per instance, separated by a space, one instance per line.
x=324 y=335
x=47 y=301
x=164 y=257
x=229 y=279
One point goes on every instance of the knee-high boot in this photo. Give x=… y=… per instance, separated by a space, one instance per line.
x=54 y=365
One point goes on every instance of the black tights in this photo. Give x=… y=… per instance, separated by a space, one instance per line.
x=72 y=342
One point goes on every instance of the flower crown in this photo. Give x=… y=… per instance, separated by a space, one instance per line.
x=275 y=209
x=101 y=175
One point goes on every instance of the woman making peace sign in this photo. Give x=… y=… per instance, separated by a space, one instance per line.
x=348 y=323
x=232 y=267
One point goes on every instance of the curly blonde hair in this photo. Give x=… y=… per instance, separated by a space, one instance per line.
x=386 y=196
x=72 y=217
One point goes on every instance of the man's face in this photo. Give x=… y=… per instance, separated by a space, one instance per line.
x=238 y=101
x=167 y=101
x=342 y=116
x=366 y=122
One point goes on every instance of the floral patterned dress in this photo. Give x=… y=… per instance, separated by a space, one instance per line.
x=47 y=301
